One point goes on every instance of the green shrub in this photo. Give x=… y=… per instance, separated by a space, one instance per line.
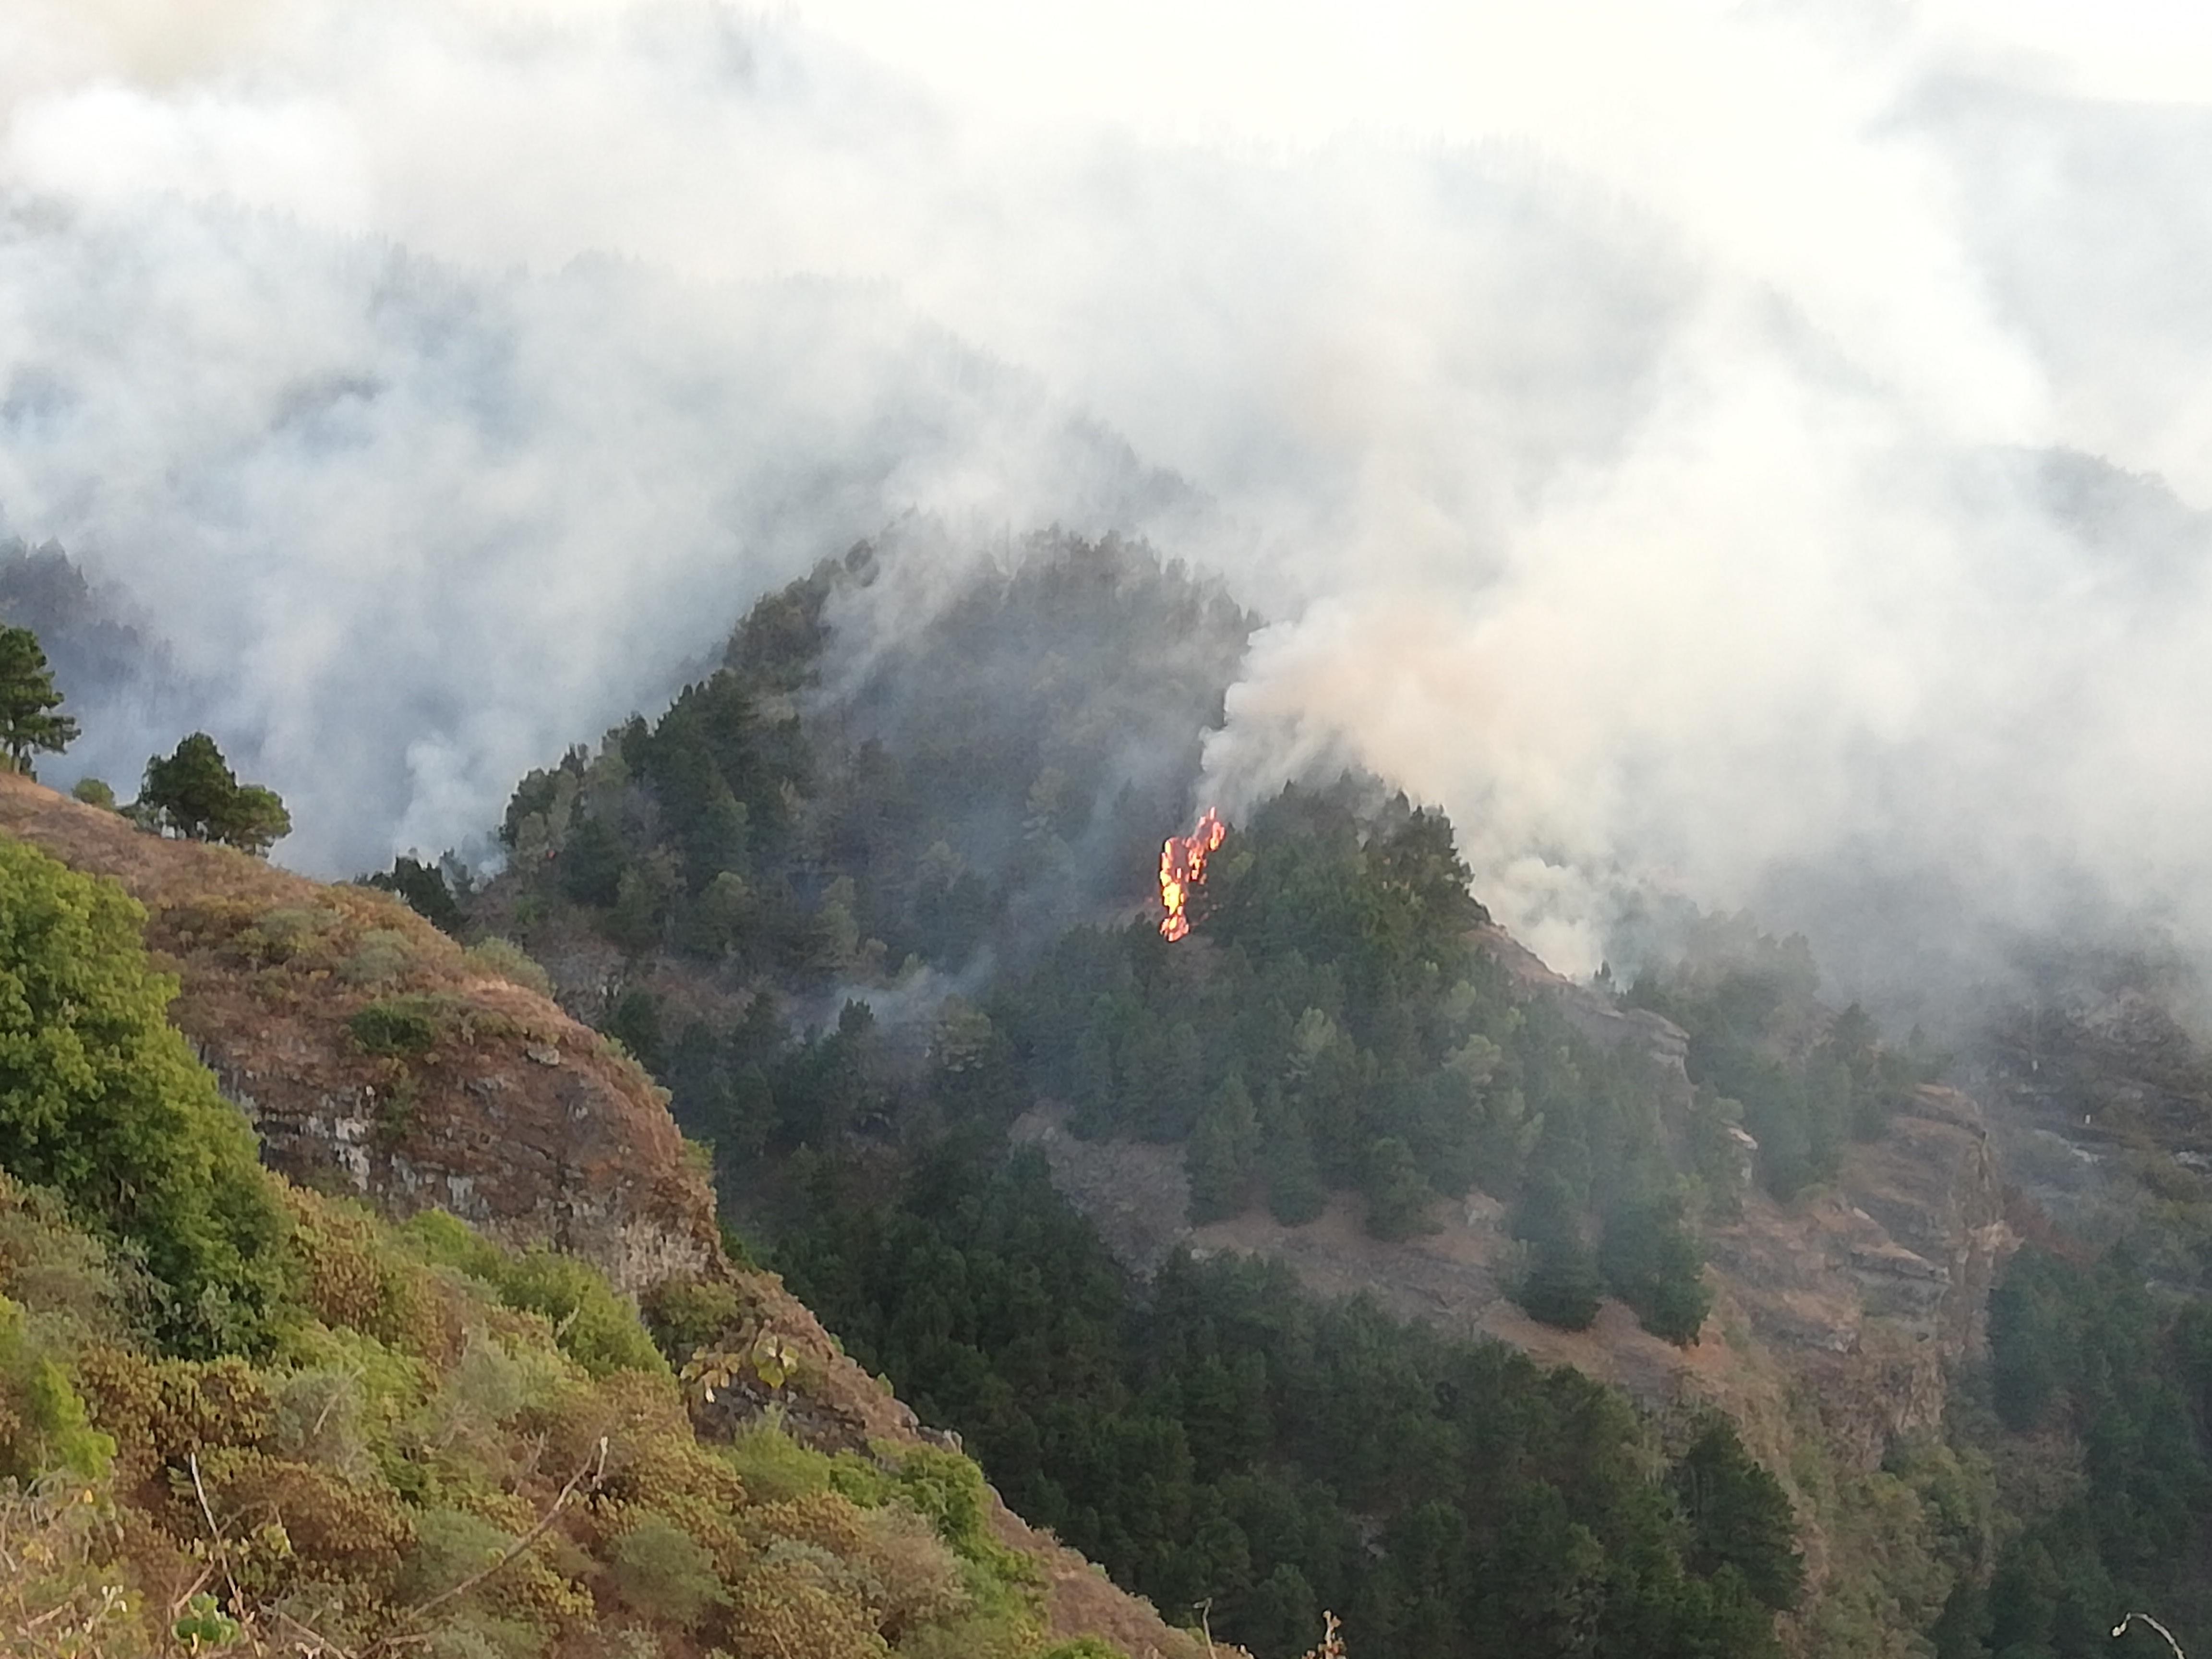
x=102 y=1100
x=774 y=1467
x=381 y=954
x=94 y=791
x=663 y=1571
x=947 y=1490
x=287 y=931
x=60 y=1271
x=506 y=960
x=687 y=1314
x=204 y=1624
x=43 y=1425
x=450 y=1547
x=594 y=1327
x=863 y=1480
x=396 y=1026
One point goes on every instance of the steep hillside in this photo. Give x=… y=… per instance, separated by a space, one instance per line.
x=1837 y=1322
x=374 y=1056
x=872 y=901
x=378 y=1058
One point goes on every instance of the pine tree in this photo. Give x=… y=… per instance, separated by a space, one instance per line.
x=1739 y=1517
x=1090 y=1081
x=1561 y=1287
x=28 y=701
x=191 y=793
x=1650 y=1261
x=254 y=820
x=1295 y=1193
x=187 y=792
x=1398 y=1198
x=1223 y=1156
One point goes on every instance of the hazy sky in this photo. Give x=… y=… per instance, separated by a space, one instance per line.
x=1635 y=419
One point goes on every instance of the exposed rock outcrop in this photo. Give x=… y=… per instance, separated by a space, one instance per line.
x=514 y=1116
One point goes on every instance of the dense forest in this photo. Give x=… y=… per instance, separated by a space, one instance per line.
x=862 y=897
x=1221 y=1440
x=2096 y=1408
x=861 y=907
x=764 y=852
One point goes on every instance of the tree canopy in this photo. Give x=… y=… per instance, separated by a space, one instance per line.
x=29 y=700
x=193 y=792
x=1221 y=1436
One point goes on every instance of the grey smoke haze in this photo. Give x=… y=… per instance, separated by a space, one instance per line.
x=1747 y=452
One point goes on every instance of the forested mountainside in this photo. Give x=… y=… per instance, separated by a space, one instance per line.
x=799 y=838
x=1336 y=1257
x=864 y=909
x=469 y=1372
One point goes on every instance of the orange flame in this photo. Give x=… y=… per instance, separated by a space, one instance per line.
x=1182 y=869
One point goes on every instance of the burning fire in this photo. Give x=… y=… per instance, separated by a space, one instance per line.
x=1182 y=870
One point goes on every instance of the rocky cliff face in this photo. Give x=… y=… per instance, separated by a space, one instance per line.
x=1874 y=1291
x=479 y=1096
x=375 y=1057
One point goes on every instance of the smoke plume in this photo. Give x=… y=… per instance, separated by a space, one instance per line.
x=1747 y=453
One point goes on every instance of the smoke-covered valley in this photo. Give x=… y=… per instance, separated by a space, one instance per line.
x=1729 y=455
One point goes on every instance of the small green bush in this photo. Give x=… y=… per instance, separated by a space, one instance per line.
x=774 y=1467
x=43 y=1425
x=687 y=1314
x=286 y=932
x=60 y=1271
x=94 y=791
x=395 y=1026
x=594 y=1327
x=947 y=1490
x=661 y=1570
x=451 y=1546
x=382 y=955
x=506 y=960
x=597 y=1329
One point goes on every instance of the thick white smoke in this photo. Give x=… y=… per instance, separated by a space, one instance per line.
x=1656 y=432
